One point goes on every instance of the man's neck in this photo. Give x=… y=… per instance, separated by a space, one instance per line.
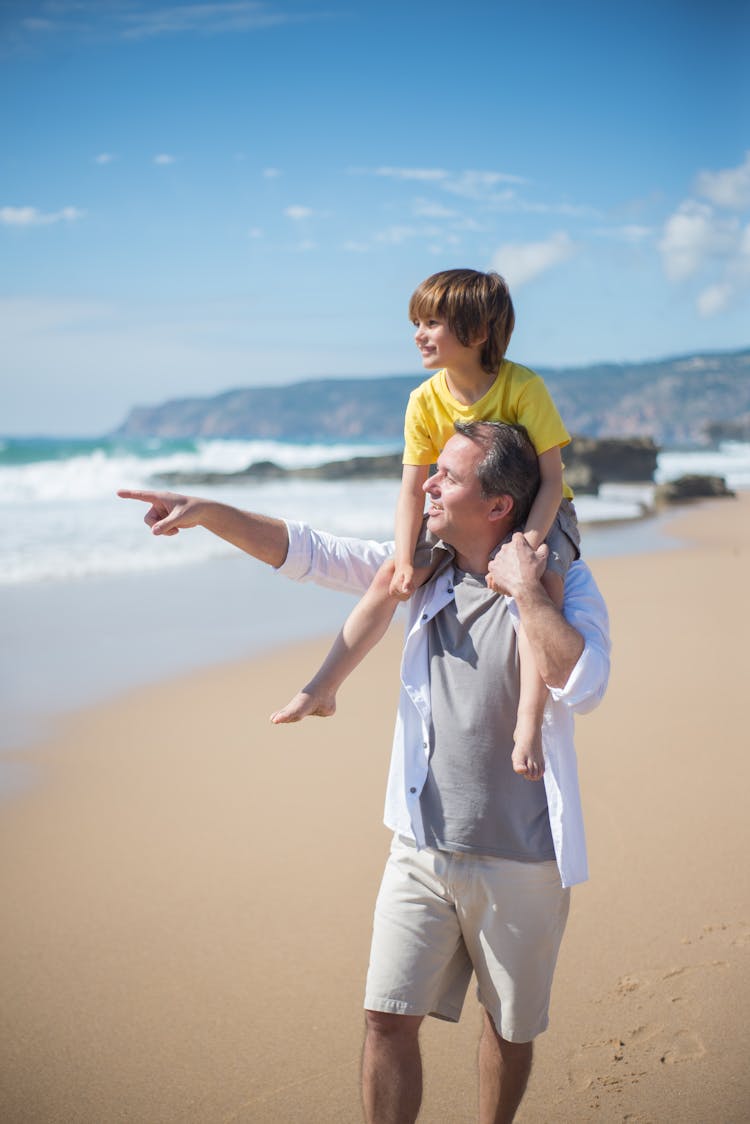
x=476 y=558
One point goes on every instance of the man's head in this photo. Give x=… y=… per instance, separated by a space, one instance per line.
x=475 y=306
x=509 y=465
x=486 y=480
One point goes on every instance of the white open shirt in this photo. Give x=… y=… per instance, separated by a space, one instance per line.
x=350 y=564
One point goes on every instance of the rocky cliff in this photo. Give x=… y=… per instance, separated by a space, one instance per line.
x=671 y=401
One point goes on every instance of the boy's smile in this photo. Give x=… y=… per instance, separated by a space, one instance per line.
x=439 y=347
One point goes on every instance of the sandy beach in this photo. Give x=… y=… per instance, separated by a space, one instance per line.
x=187 y=891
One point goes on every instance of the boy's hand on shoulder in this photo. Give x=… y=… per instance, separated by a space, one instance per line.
x=402 y=583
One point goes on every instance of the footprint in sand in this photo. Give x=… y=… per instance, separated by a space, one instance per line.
x=686 y=1047
x=627 y=984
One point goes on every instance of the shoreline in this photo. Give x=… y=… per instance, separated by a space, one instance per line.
x=189 y=890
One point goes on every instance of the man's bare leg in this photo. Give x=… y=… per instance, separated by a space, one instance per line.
x=528 y=757
x=391 y=1068
x=504 y=1069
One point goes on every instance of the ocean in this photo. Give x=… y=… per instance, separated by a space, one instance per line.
x=91 y=604
x=61 y=519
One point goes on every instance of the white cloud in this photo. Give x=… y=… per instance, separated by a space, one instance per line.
x=30 y=216
x=255 y=232
x=306 y=245
x=396 y=234
x=271 y=173
x=164 y=158
x=480 y=185
x=714 y=299
x=425 y=208
x=104 y=158
x=297 y=212
x=629 y=232
x=353 y=247
x=146 y=21
x=709 y=241
x=422 y=174
x=729 y=188
x=523 y=261
x=693 y=236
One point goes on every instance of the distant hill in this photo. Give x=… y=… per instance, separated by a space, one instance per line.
x=689 y=399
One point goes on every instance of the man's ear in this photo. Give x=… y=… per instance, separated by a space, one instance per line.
x=502 y=507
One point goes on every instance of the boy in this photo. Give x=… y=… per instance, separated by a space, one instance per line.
x=464 y=320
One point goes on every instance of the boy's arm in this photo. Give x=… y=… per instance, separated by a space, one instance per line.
x=409 y=512
x=548 y=498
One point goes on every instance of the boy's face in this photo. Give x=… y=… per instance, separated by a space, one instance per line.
x=439 y=347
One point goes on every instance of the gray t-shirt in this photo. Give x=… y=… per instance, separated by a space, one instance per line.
x=472 y=800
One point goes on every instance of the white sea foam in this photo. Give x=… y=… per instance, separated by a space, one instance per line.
x=61 y=518
x=101 y=471
x=731 y=460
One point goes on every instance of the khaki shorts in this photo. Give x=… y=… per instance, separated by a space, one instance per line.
x=441 y=916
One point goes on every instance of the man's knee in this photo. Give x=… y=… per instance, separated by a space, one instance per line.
x=384 y=1024
x=510 y=1051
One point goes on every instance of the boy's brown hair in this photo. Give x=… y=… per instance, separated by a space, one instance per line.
x=473 y=305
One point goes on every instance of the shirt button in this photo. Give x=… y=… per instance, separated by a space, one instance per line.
x=412 y=789
x=424 y=616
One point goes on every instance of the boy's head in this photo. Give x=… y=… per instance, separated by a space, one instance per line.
x=474 y=305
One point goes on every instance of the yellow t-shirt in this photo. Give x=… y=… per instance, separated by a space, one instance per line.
x=517 y=396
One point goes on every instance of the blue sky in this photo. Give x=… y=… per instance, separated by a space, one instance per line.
x=200 y=196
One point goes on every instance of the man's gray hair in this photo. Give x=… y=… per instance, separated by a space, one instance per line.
x=510 y=466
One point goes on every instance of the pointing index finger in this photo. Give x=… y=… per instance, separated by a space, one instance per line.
x=130 y=494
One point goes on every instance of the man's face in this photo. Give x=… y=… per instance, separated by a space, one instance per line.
x=458 y=513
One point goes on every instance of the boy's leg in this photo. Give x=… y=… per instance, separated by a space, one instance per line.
x=365 y=626
x=528 y=758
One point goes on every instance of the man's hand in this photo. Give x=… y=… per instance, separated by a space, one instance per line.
x=169 y=512
x=516 y=566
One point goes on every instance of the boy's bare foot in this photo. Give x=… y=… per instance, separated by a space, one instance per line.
x=527 y=756
x=307 y=702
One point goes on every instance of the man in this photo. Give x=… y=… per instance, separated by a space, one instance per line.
x=481 y=863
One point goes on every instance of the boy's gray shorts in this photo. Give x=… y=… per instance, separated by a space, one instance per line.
x=563 y=540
